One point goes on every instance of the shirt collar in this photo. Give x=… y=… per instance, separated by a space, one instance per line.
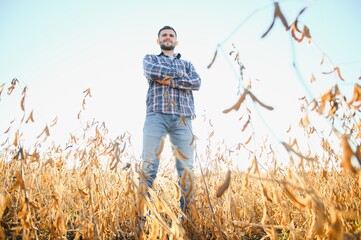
x=176 y=55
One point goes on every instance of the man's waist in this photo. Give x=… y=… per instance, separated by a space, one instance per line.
x=186 y=111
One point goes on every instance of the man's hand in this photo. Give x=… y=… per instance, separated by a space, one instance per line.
x=164 y=81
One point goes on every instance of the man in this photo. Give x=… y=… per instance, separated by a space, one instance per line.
x=169 y=110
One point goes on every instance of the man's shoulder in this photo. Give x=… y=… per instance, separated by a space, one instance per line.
x=151 y=56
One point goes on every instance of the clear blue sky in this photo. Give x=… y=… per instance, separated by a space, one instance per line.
x=60 y=48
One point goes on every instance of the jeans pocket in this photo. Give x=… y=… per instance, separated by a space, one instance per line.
x=148 y=114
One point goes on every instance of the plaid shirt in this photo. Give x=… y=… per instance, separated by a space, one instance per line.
x=177 y=98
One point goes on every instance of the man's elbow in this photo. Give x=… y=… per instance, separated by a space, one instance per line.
x=197 y=86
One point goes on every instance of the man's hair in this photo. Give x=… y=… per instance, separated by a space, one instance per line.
x=167 y=27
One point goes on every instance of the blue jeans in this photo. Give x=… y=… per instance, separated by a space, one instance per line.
x=156 y=127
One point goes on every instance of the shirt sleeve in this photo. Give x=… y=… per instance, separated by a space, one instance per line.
x=189 y=81
x=154 y=70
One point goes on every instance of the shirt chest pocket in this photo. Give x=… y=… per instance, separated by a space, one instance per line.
x=166 y=63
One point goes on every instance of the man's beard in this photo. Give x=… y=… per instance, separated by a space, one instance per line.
x=167 y=48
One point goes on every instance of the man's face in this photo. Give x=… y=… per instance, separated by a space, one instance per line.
x=167 y=39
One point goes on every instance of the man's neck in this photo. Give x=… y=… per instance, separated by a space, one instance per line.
x=168 y=52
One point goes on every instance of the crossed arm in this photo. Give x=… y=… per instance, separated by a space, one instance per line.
x=187 y=79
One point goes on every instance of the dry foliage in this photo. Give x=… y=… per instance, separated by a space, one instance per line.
x=99 y=196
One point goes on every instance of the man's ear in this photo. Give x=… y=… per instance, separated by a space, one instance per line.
x=176 y=43
x=158 y=42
